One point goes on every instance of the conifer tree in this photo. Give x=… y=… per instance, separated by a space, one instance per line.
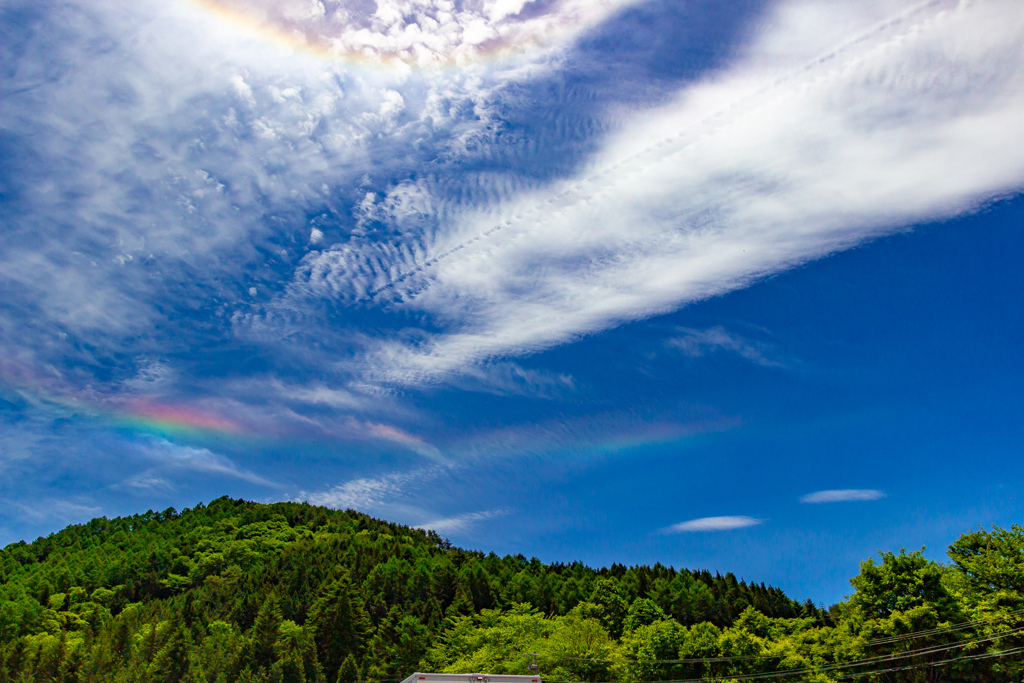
x=348 y=672
x=171 y=663
x=263 y=637
x=340 y=624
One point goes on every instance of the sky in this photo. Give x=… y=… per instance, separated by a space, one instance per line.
x=732 y=286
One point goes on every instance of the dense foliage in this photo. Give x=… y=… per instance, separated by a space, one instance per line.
x=236 y=591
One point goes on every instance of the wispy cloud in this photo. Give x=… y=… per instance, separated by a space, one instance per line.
x=177 y=213
x=842 y=496
x=147 y=482
x=370 y=493
x=396 y=435
x=712 y=524
x=507 y=378
x=699 y=343
x=824 y=131
x=172 y=457
x=753 y=171
x=460 y=524
x=56 y=509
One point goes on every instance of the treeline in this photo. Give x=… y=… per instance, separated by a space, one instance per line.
x=241 y=592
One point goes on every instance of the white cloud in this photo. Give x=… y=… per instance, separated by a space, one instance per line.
x=842 y=495
x=754 y=170
x=460 y=524
x=147 y=482
x=419 y=32
x=506 y=378
x=150 y=377
x=171 y=456
x=699 y=343
x=166 y=175
x=62 y=510
x=371 y=493
x=317 y=393
x=713 y=524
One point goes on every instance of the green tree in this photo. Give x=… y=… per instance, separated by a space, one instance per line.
x=261 y=646
x=642 y=612
x=348 y=672
x=992 y=561
x=172 y=661
x=900 y=583
x=340 y=624
x=581 y=649
x=607 y=596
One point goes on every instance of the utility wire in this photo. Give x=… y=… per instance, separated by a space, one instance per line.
x=832 y=667
x=852 y=675
x=943 y=662
x=913 y=635
x=838 y=667
x=856 y=663
x=943 y=629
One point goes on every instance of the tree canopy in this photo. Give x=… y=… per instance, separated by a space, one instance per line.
x=241 y=592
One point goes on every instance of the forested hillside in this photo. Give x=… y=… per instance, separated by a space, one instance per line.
x=237 y=591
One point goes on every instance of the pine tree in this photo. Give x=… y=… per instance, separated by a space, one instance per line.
x=340 y=623
x=171 y=663
x=349 y=672
x=263 y=637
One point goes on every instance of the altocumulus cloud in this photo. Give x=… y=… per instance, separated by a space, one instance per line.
x=726 y=523
x=800 y=149
x=842 y=495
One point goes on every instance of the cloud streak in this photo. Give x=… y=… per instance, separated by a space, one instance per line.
x=174 y=457
x=460 y=524
x=699 y=343
x=727 y=523
x=371 y=493
x=842 y=496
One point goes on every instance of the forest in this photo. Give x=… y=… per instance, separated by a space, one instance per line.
x=236 y=591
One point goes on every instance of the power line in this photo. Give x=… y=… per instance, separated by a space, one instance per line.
x=856 y=663
x=943 y=629
x=913 y=635
x=852 y=675
x=878 y=659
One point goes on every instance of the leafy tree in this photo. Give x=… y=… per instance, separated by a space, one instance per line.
x=644 y=646
x=992 y=561
x=236 y=592
x=642 y=612
x=581 y=649
x=608 y=597
x=900 y=583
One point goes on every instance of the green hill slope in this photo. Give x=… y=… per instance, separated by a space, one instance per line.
x=237 y=591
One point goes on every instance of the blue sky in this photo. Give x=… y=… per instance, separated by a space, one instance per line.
x=627 y=282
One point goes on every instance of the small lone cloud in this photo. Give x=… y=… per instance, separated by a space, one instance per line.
x=713 y=524
x=842 y=496
x=700 y=343
x=461 y=523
